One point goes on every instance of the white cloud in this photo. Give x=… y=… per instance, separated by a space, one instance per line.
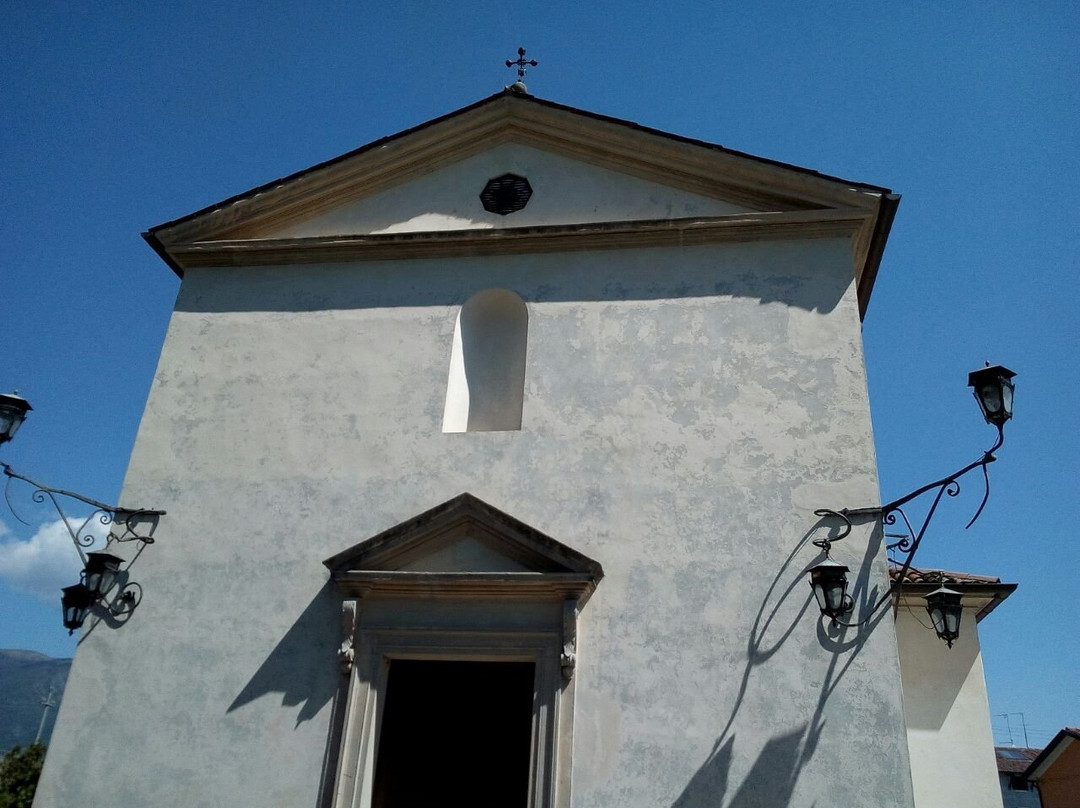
x=47 y=562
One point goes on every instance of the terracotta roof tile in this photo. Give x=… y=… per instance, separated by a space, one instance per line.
x=1013 y=759
x=915 y=576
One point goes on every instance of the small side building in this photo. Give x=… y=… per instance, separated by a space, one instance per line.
x=1056 y=771
x=1016 y=790
x=945 y=704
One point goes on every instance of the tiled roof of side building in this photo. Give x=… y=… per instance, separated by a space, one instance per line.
x=914 y=576
x=1014 y=759
x=983 y=592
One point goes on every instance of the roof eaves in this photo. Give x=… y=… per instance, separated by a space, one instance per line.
x=994 y=593
x=919 y=583
x=1063 y=739
x=150 y=237
x=375 y=144
x=883 y=224
x=887 y=207
x=877 y=189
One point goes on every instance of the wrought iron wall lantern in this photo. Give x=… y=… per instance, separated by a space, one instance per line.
x=104 y=578
x=829 y=582
x=13 y=409
x=993 y=389
x=945 y=610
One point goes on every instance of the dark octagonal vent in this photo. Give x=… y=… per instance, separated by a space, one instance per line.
x=506 y=194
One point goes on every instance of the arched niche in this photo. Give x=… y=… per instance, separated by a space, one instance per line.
x=486 y=384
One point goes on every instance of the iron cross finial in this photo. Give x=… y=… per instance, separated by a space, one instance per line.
x=521 y=63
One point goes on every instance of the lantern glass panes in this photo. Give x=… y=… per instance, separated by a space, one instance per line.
x=13 y=411
x=101 y=571
x=829 y=582
x=993 y=388
x=945 y=610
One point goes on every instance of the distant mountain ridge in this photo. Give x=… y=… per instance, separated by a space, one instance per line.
x=25 y=680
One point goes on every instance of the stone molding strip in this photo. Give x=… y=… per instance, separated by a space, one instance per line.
x=823 y=223
x=494 y=585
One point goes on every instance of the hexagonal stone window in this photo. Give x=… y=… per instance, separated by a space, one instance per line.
x=506 y=194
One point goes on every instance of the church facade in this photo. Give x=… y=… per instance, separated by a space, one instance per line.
x=491 y=453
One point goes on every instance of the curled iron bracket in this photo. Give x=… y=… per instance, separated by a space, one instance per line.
x=907 y=543
x=125 y=525
x=826 y=543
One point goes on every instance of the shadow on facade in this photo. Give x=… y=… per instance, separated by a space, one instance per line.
x=298 y=667
x=772 y=779
x=928 y=708
x=781 y=277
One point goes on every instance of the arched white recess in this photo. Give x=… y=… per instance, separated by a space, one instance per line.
x=487 y=364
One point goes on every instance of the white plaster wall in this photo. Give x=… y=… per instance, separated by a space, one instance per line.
x=685 y=412
x=565 y=191
x=947 y=715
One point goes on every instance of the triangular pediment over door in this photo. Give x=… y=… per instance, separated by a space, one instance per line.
x=461 y=582
x=465 y=547
x=580 y=181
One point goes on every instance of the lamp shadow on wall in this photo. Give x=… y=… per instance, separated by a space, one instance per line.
x=113 y=612
x=772 y=778
x=297 y=667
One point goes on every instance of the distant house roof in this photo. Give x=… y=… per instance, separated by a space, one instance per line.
x=1014 y=759
x=1053 y=750
x=983 y=592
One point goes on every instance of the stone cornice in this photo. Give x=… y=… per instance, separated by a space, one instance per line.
x=530 y=586
x=541 y=239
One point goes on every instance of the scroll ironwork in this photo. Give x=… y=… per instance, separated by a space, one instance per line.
x=903 y=547
x=125 y=525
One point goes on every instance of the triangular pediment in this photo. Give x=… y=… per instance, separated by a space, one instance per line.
x=563 y=190
x=597 y=182
x=464 y=537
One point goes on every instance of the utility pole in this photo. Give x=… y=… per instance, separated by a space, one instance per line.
x=46 y=703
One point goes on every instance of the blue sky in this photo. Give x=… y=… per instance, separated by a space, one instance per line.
x=121 y=116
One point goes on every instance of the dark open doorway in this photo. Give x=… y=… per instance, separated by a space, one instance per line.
x=455 y=733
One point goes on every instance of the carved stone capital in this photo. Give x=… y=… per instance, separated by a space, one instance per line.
x=347 y=651
x=568 y=657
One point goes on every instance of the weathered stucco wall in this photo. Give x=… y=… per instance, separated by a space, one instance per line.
x=685 y=412
x=947 y=714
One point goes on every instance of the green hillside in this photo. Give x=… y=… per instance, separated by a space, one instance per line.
x=25 y=680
